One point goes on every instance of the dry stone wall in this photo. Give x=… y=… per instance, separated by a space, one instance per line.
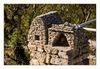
x=53 y=43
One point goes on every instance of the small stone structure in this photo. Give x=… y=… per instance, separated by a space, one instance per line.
x=52 y=42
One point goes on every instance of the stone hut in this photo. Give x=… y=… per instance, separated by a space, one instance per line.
x=52 y=42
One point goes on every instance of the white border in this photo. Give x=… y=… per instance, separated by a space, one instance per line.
x=1 y=34
x=49 y=1
x=2 y=2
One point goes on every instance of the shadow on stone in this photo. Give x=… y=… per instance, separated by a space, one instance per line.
x=60 y=40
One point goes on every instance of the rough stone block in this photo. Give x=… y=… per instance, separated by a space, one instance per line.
x=48 y=58
x=92 y=60
x=34 y=62
x=40 y=49
x=40 y=57
x=32 y=54
x=47 y=49
x=32 y=48
x=54 y=56
x=59 y=61
x=54 y=51
x=63 y=55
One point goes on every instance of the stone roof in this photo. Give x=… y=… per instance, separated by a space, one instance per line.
x=51 y=18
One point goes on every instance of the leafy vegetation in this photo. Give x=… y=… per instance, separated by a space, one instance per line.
x=18 y=17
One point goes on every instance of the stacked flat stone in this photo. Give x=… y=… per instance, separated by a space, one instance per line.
x=47 y=28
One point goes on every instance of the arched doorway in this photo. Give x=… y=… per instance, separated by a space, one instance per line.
x=60 y=40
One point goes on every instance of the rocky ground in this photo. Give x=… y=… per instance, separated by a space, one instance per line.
x=92 y=56
x=9 y=58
